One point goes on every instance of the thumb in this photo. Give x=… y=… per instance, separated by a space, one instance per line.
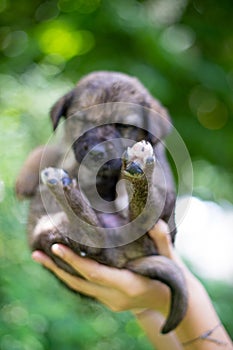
x=161 y=237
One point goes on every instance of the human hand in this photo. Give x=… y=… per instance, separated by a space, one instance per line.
x=119 y=289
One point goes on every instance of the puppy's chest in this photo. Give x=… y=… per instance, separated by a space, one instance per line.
x=110 y=201
x=112 y=220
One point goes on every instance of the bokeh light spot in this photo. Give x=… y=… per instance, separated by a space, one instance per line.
x=46 y=11
x=15 y=43
x=215 y=118
x=87 y=6
x=82 y=6
x=60 y=39
x=163 y=13
x=3 y=5
x=177 y=38
x=211 y=112
x=105 y=325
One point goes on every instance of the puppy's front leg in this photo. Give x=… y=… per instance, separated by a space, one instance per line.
x=28 y=178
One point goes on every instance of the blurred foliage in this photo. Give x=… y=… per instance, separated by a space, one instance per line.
x=37 y=313
x=182 y=51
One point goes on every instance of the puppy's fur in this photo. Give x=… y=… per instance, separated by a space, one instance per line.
x=102 y=108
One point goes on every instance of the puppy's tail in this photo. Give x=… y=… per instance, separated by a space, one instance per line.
x=165 y=270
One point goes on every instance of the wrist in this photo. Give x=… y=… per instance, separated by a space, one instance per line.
x=142 y=316
x=139 y=311
x=144 y=312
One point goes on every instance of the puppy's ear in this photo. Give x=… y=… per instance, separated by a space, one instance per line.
x=158 y=121
x=60 y=109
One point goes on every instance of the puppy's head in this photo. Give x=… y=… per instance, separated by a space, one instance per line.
x=110 y=97
x=104 y=146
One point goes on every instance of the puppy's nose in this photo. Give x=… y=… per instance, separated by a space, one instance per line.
x=97 y=153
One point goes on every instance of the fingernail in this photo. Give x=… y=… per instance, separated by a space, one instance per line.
x=58 y=250
x=38 y=257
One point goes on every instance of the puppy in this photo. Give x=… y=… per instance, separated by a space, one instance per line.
x=107 y=180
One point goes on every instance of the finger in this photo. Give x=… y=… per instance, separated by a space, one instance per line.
x=88 y=268
x=94 y=272
x=160 y=235
x=76 y=283
x=108 y=296
x=41 y=257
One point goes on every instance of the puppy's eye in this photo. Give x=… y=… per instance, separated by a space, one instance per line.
x=85 y=147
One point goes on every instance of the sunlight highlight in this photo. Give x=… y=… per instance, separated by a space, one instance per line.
x=205 y=238
x=58 y=38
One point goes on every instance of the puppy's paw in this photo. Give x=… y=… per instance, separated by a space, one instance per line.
x=55 y=177
x=139 y=158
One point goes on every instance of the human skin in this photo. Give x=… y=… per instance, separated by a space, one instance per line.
x=148 y=300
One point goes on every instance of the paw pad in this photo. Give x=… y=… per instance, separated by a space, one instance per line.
x=55 y=176
x=138 y=157
x=134 y=168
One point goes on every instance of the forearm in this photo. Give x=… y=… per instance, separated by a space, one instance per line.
x=151 y=322
x=120 y=290
x=200 y=319
x=190 y=334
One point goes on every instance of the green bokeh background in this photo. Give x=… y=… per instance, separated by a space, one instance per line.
x=182 y=51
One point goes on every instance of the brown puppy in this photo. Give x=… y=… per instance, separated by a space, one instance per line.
x=104 y=113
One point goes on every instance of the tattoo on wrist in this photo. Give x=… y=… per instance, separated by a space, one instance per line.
x=208 y=337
